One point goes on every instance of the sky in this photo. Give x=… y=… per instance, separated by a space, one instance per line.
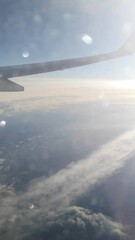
x=36 y=31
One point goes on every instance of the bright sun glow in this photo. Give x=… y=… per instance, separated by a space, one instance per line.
x=129 y=84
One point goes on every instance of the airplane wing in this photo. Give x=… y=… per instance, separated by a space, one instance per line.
x=35 y=68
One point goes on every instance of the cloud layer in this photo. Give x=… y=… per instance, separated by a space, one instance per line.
x=77 y=223
x=77 y=178
x=51 y=195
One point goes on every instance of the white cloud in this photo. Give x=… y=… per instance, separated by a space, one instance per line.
x=60 y=189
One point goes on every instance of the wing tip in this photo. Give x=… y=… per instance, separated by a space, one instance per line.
x=8 y=86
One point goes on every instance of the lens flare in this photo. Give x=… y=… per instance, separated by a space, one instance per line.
x=87 y=39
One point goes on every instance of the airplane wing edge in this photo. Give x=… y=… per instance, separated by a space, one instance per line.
x=8 y=86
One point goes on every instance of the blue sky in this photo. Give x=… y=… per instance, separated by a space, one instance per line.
x=53 y=29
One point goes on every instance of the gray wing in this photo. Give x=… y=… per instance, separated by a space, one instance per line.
x=36 y=68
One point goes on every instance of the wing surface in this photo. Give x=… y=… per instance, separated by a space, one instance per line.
x=35 y=68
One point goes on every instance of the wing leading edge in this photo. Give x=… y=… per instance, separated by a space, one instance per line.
x=35 y=68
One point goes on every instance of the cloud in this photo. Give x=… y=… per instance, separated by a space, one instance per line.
x=52 y=194
x=67 y=184
x=52 y=93
x=76 y=223
x=79 y=223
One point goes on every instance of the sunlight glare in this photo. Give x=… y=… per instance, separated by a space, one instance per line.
x=126 y=84
x=2 y=123
x=87 y=39
x=25 y=54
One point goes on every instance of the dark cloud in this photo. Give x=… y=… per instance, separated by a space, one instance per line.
x=77 y=223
